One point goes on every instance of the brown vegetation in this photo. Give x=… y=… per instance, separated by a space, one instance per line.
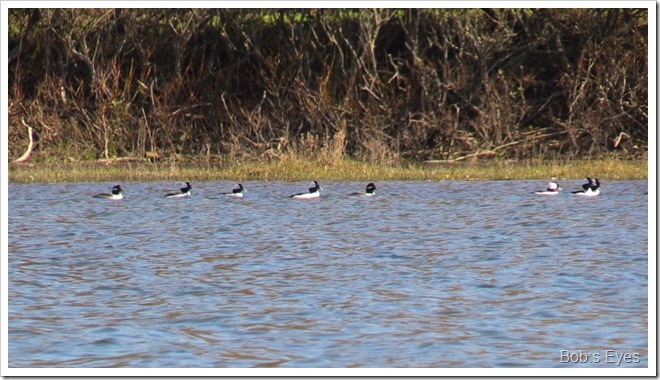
x=375 y=84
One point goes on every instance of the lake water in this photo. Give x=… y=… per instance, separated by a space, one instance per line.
x=425 y=274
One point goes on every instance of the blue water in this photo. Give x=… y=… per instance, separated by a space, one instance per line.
x=425 y=274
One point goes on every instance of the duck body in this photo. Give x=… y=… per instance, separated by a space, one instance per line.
x=585 y=187
x=588 y=193
x=546 y=192
x=314 y=192
x=553 y=189
x=370 y=191
x=236 y=193
x=115 y=195
x=185 y=192
x=589 y=189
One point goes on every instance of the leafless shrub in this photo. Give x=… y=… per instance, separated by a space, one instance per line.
x=378 y=84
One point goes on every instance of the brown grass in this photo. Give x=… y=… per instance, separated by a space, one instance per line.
x=326 y=168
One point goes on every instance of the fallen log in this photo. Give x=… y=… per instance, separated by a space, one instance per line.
x=108 y=161
x=493 y=151
x=28 y=151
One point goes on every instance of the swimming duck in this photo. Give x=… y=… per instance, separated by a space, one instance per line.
x=595 y=188
x=553 y=189
x=236 y=193
x=116 y=193
x=589 y=189
x=185 y=192
x=314 y=192
x=371 y=191
x=585 y=187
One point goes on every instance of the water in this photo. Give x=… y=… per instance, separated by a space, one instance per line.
x=425 y=274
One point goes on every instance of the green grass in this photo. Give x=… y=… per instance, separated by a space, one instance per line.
x=291 y=169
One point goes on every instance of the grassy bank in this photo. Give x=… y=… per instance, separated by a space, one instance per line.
x=305 y=170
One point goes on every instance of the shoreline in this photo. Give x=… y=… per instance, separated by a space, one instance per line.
x=325 y=170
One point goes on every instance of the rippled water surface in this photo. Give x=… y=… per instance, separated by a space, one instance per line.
x=425 y=274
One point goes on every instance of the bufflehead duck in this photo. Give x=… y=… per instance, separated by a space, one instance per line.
x=236 y=193
x=313 y=192
x=371 y=191
x=185 y=192
x=116 y=193
x=595 y=188
x=585 y=187
x=553 y=189
x=590 y=189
